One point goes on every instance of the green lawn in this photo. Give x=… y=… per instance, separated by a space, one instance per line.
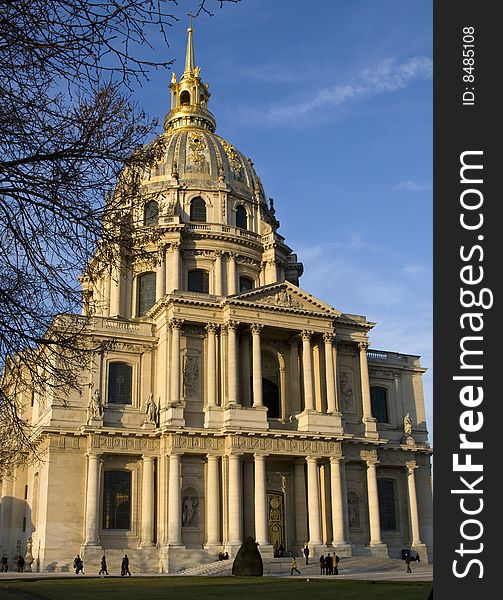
x=219 y=588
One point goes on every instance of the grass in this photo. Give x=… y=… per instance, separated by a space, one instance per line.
x=209 y=588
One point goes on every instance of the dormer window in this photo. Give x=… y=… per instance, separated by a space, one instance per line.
x=151 y=213
x=185 y=97
x=199 y=281
x=198 y=210
x=241 y=217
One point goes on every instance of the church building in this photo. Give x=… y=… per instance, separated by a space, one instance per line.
x=228 y=402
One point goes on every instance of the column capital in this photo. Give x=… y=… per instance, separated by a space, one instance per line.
x=232 y=255
x=147 y=457
x=211 y=327
x=256 y=328
x=218 y=254
x=234 y=455
x=312 y=459
x=306 y=334
x=94 y=455
x=258 y=456
x=175 y=323
x=370 y=457
x=231 y=325
x=363 y=346
x=329 y=337
x=336 y=459
x=175 y=246
x=411 y=465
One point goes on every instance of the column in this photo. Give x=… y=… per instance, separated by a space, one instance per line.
x=307 y=363
x=373 y=503
x=334 y=362
x=218 y=273
x=174 y=502
x=211 y=329
x=329 y=365
x=257 y=364
x=232 y=351
x=213 y=502
x=337 y=501
x=261 y=528
x=245 y=370
x=147 y=502
x=414 y=517
x=313 y=501
x=294 y=375
x=176 y=325
x=368 y=419
x=115 y=291
x=231 y=273
x=175 y=267
x=92 y=499
x=106 y=295
x=160 y=276
x=300 y=503
x=235 y=499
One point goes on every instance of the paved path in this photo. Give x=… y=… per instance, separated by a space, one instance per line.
x=357 y=567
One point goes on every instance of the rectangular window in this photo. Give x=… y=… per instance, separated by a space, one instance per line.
x=117 y=500
x=26 y=492
x=387 y=511
x=120 y=383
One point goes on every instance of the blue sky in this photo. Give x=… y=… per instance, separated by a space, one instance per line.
x=332 y=100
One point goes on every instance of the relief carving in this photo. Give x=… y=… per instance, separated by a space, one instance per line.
x=346 y=387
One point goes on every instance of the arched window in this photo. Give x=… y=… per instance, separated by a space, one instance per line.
x=379 y=404
x=241 y=217
x=198 y=281
x=146 y=292
x=151 y=213
x=245 y=284
x=387 y=511
x=117 y=500
x=120 y=383
x=198 y=210
x=185 y=97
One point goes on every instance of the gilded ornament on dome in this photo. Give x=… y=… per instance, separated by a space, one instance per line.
x=197 y=153
x=233 y=157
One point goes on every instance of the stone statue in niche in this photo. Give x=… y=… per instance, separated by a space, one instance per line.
x=407 y=425
x=346 y=389
x=94 y=408
x=353 y=510
x=189 y=506
x=151 y=409
x=191 y=376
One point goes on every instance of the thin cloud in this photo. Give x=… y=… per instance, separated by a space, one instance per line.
x=411 y=186
x=389 y=76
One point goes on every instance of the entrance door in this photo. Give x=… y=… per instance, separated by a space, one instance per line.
x=276 y=518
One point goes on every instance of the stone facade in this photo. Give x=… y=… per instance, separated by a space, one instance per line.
x=227 y=404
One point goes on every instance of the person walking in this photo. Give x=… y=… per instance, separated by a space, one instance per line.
x=407 y=560
x=125 y=566
x=294 y=566
x=78 y=565
x=20 y=563
x=4 y=563
x=103 y=570
x=306 y=553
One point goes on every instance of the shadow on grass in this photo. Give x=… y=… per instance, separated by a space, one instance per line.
x=209 y=588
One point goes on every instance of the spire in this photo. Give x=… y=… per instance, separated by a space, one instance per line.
x=189 y=55
x=189 y=95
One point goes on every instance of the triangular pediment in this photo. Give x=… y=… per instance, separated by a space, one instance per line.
x=284 y=296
